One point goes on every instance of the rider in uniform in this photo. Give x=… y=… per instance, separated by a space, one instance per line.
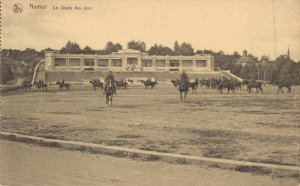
x=111 y=78
x=183 y=78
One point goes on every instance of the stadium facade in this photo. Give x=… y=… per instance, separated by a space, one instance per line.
x=127 y=60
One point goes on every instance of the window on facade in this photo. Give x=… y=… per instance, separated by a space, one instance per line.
x=187 y=63
x=160 y=63
x=74 y=61
x=89 y=62
x=60 y=61
x=102 y=62
x=116 y=62
x=132 y=61
x=147 y=63
x=200 y=63
x=174 y=63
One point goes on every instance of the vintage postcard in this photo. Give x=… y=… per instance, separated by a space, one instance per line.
x=150 y=92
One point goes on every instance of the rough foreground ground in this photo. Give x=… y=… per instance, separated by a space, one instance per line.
x=23 y=164
x=255 y=127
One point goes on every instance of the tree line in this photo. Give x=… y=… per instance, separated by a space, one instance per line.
x=283 y=67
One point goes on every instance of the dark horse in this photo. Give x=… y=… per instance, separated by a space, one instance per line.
x=63 y=85
x=226 y=84
x=183 y=88
x=96 y=84
x=254 y=84
x=281 y=84
x=109 y=92
x=121 y=84
x=194 y=85
x=149 y=84
x=26 y=85
x=41 y=86
x=175 y=83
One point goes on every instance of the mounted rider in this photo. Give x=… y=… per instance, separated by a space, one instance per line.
x=183 y=78
x=110 y=78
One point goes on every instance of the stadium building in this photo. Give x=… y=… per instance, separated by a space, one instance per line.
x=127 y=60
x=126 y=64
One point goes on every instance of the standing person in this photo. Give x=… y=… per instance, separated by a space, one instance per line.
x=63 y=81
x=110 y=77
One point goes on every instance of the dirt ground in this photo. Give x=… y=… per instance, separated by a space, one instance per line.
x=252 y=127
x=23 y=164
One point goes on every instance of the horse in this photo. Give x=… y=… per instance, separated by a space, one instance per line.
x=40 y=86
x=194 y=85
x=226 y=84
x=130 y=81
x=175 y=83
x=121 y=84
x=96 y=84
x=281 y=84
x=183 y=88
x=109 y=92
x=238 y=85
x=63 y=85
x=149 y=84
x=254 y=84
x=26 y=85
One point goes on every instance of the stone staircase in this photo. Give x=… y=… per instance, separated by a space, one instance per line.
x=227 y=73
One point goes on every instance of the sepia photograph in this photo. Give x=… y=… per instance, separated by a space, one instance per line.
x=150 y=92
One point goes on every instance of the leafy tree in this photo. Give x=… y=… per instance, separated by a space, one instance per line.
x=186 y=49
x=6 y=73
x=88 y=50
x=245 y=72
x=176 y=48
x=199 y=52
x=137 y=45
x=236 y=69
x=160 y=50
x=71 y=48
x=236 y=54
x=111 y=47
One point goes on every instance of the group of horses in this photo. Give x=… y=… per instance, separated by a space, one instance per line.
x=97 y=84
x=228 y=84
x=40 y=85
x=183 y=87
x=148 y=83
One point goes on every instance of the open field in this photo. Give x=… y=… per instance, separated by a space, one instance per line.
x=258 y=128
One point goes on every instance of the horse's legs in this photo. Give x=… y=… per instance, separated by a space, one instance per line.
x=278 y=90
x=289 y=89
x=281 y=90
x=261 y=89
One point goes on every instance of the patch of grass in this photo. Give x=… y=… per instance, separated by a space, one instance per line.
x=152 y=158
x=116 y=142
x=134 y=155
x=182 y=161
x=62 y=112
x=50 y=136
x=213 y=165
x=252 y=169
x=129 y=136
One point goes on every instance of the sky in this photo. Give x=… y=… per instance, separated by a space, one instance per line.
x=261 y=27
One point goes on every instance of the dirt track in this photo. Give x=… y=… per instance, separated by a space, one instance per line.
x=259 y=128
